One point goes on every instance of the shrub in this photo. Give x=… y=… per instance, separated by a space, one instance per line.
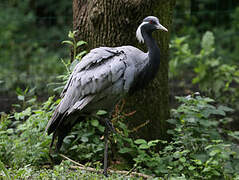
x=22 y=136
x=197 y=150
x=214 y=77
x=28 y=47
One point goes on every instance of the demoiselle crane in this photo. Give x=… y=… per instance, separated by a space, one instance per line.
x=102 y=78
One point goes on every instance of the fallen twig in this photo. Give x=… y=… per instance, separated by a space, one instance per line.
x=140 y=126
x=113 y=171
x=78 y=164
x=126 y=173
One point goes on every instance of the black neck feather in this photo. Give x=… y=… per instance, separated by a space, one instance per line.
x=150 y=70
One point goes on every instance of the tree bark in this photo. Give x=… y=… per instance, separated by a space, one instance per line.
x=114 y=23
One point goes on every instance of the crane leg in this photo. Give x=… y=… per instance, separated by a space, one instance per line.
x=106 y=150
x=50 y=149
x=109 y=125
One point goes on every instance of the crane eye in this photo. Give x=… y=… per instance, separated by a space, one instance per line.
x=152 y=22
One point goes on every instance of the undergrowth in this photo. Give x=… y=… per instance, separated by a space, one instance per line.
x=201 y=148
x=210 y=73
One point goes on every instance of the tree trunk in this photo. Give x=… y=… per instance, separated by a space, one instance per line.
x=114 y=23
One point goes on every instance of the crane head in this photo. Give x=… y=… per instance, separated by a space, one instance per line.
x=149 y=24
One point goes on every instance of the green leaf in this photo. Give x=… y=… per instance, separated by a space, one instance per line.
x=207 y=169
x=197 y=162
x=153 y=142
x=207 y=41
x=140 y=141
x=84 y=139
x=101 y=112
x=182 y=159
x=169 y=148
x=5 y=171
x=191 y=168
x=10 y=131
x=79 y=55
x=21 y=97
x=27 y=112
x=74 y=147
x=180 y=167
x=94 y=122
x=80 y=43
x=207 y=99
x=71 y=34
x=177 y=154
x=32 y=100
x=125 y=150
x=101 y=128
x=219 y=112
x=214 y=152
x=144 y=146
x=225 y=108
x=215 y=172
x=67 y=42
x=172 y=121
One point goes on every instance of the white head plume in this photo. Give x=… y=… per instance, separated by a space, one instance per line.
x=139 y=33
x=151 y=20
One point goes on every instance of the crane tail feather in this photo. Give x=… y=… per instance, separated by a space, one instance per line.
x=54 y=121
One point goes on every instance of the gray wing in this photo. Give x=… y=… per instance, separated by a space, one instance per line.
x=97 y=71
x=93 y=59
x=102 y=72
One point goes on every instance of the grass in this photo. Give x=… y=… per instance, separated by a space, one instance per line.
x=63 y=171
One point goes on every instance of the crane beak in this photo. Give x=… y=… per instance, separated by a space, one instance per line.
x=161 y=27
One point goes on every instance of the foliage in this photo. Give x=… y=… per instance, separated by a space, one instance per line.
x=24 y=147
x=22 y=139
x=84 y=143
x=5 y=171
x=214 y=77
x=197 y=149
x=75 y=46
x=227 y=45
x=62 y=171
x=28 y=55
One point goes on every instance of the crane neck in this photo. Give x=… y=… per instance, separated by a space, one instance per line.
x=151 y=68
x=153 y=49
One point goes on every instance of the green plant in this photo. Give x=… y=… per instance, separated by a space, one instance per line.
x=22 y=139
x=65 y=170
x=2 y=168
x=26 y=97
x=210 y=73
x=75 y=45
x=198 y=145
x=29 y=57
x=213 y=76
x=181 y=58
x=69 y=66
x=84 y=143
x=197 y=149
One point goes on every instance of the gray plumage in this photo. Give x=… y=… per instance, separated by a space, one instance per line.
x=102 y=78
x=99 y=81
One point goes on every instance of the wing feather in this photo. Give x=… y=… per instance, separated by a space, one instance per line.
x=103 y=70
x=98 y=70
